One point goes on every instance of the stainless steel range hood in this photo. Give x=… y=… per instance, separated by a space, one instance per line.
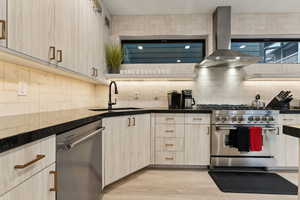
x=223 y=56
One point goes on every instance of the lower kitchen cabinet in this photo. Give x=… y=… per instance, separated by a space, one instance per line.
x=292 y=152
x=126 y=145
x=41 y=186
x=197 y=144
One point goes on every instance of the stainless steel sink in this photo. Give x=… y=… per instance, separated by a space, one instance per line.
x=115 y=109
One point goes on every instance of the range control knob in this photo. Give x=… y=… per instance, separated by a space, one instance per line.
x=234 y=118
x=257 y=118
x=250 y=118
x=240 y=118
x=224 y=118
x=218 y=118
x=270 y=118
x=264 y=118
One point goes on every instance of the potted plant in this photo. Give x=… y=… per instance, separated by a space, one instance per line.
x=114 y=57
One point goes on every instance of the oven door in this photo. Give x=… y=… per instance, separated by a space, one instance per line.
x=224 y=155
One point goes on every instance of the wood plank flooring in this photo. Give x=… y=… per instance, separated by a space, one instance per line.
x=153 y=184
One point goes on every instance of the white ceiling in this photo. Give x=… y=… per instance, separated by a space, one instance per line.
x=165 y=7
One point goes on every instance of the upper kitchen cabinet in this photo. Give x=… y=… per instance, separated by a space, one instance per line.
x=66 y=33
x=31 y=28
x=3 y=23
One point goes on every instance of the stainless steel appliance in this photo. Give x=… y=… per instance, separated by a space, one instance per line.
x=187 y=100
x=223 y=155
x=223 y=56
x=79 y=163
x=174 y=99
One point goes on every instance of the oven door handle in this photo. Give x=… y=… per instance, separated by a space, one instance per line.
x=226 y=127
x=234 y=128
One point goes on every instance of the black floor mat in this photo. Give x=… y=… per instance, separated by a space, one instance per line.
x=253 y=182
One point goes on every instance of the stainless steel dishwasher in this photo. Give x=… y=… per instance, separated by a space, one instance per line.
x=79 y=160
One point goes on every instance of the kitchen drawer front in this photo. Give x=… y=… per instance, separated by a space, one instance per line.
x=21 y=163
x=169 y=158
x=197 y=118
x=169 y=130
x=289 y=119
x=169 y=118
x=169 y=145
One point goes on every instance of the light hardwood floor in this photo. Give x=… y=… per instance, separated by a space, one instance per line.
x=153 y=184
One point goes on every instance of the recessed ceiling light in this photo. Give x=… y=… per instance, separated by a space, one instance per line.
x=187 y=47
x=179 y=61
x=140 y=47
x=243 y=46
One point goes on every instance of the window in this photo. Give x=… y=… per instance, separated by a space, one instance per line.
x=163 y=51
x=270 y=50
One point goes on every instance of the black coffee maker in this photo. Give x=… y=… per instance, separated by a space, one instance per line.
x=174 y=99
x=187 y=100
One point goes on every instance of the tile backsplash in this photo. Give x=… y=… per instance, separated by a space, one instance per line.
x=45 y=91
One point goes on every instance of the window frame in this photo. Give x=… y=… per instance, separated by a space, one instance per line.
x=152 y=41
x=266 y=39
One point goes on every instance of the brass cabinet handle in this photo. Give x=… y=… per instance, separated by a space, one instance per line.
x=54 y=189
x=3 y=32
x=133 y=121
x=197 y=119
x=169 y=145
x=169 y=158
x=38 y=157
x=52 y=53
x=169 y=131
x=170 y=118
x=129 y=121
x=60 y=56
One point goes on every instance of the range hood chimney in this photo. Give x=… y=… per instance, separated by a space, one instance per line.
x=223 y=56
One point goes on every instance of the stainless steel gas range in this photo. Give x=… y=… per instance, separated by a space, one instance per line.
x=223 y=155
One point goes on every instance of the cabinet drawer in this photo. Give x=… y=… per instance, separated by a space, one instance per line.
x=169 y=130
x=25 y=161
x=169 y=158
x=169 y=118
x=197 y=119
x=289 y=119
x=169 y=144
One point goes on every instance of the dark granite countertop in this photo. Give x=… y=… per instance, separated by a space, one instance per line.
x=292 y=130
x=291 y=111
x=21 y=129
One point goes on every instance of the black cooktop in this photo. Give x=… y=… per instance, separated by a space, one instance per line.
x=227 y=107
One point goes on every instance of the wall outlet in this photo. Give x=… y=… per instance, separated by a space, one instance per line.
x=22 y=89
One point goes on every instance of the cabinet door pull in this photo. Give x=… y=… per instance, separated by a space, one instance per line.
x=96 y=70
x=60 y=56
x=54 y=189
x=129 y=121
x=169 y=145
x=197 y=119
x=208 y=130
x=169 y=131
x=133 y=121
x=169 y=158
x=38 y=157
x=170 y=118
x=52 y=53
x=93 y=71
x=3 y=30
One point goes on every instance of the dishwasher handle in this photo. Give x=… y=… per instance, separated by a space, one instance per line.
x=72 y=144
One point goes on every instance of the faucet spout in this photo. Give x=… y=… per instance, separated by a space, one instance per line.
x=110 y=103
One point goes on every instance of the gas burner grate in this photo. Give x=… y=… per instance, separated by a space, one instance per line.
x=225 y=107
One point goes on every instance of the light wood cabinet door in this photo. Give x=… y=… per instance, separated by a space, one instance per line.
x=35 y=188
x=31 y=27
x=141 y=141
x=65 y=32
x=3 y=23
x=197 y=144
x=292 y=152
